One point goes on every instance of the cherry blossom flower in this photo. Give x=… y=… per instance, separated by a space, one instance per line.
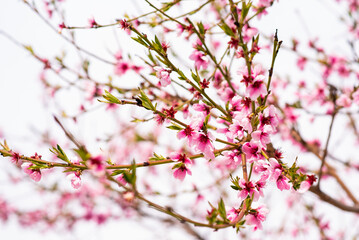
x=247 y=189
x=256 y=217
x=343 y=101
x=233 y=215
x=164 y=76
x=283 y=183
x=305 y=185
x=203 y=144
x=252 y=150
x=180 y=173
x=75 y=180
x=34 y=174
x=197 y=57
x=97 y=165
x=188 y=133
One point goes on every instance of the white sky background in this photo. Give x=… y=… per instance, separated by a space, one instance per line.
x=21 y=98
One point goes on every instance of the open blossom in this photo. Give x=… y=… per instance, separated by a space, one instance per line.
x=256 y=217
x=203 y=144
x=180 y=173
x=252 y=150
x=247 y=189
x=97 y=165
x=197 y=57
x=181 y=168
x=233 y=215
x=164 y=76
x=343 y=101
x=283 y=183
x=34 y=174
x=305 y=185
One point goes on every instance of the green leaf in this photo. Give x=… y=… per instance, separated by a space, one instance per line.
x=175 y=127
x=110 y=98
x=226 y=29
x=201 y=28
x=83 y=154
x=222 y=209
x=60 y=153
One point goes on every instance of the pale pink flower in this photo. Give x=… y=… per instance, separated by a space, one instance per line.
x=356 y=97
x=163 y=75
x=233 y=215
x=262 y=135
x=256 y=217
x=34 y=174
x=75 y=180
x=343 y=101
x=283 y=183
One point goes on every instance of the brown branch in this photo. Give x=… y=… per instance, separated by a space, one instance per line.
x=326 y=198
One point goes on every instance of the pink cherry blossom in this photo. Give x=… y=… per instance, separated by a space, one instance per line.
x=197 y=57
x=233 y=214
x=256 y=217
x=164 y=76
x=34 y=174
x=180 y=173
x=252 y=150
x=203 y=144
x=75 y=180
x=283 y=183
x=248 y=189
x=343 y=101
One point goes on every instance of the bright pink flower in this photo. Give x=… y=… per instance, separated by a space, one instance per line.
x=256 y=217
x=203 y=144
x=305 y=185
x=92 y=23
x=188 y=133
x=15 y=158
x=97 y=165
x=256 y=89
x=196 y=56
x=301 y=62
x=121 y=179
x=34 y=174
x=248 y=189
x=180 y=173
x=252 y=150
x=122 y=67
x=181 y=158
x=269 y=117
x=164 y=76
